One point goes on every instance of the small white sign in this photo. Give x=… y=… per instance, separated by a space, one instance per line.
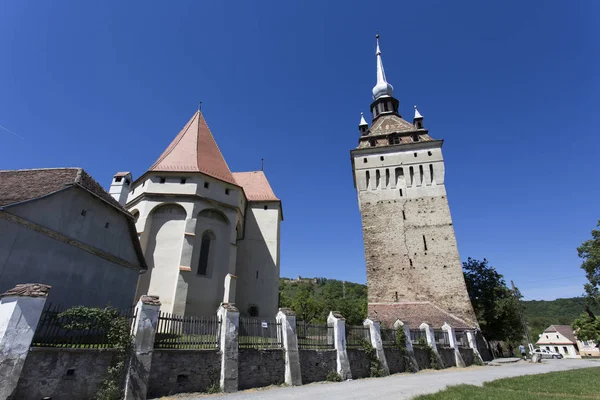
x=264 y=324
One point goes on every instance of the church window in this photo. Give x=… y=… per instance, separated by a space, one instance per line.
x=431 y=171
x=429 y=153
x=227 y=191
x=421 y=173
x=182 y=181
x=253 y=311
x=381 y=158
x=106 y=225
x=385 y=106
x=365 y=160
x=387 y=177
x=162 y=179
x=401 y=195
x=377 y=178
x=256 y=274
x=415 y=138
x=266 y=207
x=424 y=243
x=396 y=140
x=368 y=178
x=83 y=212
x=118 y=179
x=205 y=185
x=204 y=251
x=127 y=182
x=412 y=175
x=372 y=142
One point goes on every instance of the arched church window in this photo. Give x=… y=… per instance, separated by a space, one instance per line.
x=205 y=245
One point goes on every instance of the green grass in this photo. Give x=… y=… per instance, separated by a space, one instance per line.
x=575 y=384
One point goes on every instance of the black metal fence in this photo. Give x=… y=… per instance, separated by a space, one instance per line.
x=80 y=331
x=388 y=337
x=461 y=339
x=441 y=338
x=418 y=336
x=257 y=333
x=356 y=335
x=180 y=332
x=314 y=336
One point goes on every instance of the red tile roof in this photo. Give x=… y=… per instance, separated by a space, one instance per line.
x=414 y=314
x=194 y=149
x=255 y=185
x=17 y=186
x=564 y=330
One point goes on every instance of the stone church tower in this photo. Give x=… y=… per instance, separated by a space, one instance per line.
x=414 y=271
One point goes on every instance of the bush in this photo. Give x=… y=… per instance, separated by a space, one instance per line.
x=333 y=376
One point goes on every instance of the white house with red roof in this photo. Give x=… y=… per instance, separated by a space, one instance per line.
x=559 y=339
x=198 y=222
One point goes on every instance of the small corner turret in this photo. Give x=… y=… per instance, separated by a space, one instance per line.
x=363 y=127
x=418 y=119
x=120 y=187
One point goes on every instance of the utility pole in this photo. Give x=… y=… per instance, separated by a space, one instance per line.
x=521 y=316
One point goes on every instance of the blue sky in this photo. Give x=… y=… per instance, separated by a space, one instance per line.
x=512 y=87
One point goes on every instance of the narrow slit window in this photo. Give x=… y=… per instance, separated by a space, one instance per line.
x=377 y=179
x=412 y=175
x=387 y=178
x=368 y=178
x=205 y=185
x=204 y=252
x=424 y=243
x=421 y=173
x=400 y=192
x=396 y=296
x=410 y=261
x=431 y=172
x=403 y=215
x=227 y=191
x=256 y=274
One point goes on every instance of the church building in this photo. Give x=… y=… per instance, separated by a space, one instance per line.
x=198 y=223
x=414 y=272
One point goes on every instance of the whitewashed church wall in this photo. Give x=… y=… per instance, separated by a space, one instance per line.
x=77 y=277
x=62 y=212
x=258 y=260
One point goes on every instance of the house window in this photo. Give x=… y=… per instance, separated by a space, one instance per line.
x=547 y=338
x=565 y=350
x=204 y=252
x=205 y=185
x=557 y=337
x=556 y=349
x=162 y=179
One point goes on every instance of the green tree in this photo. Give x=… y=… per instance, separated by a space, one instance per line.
x=305 y=307
x=588 y=325
x=497 y=307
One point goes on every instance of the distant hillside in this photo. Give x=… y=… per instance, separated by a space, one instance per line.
x=351 y=299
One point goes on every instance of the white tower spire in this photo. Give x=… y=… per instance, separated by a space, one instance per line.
x=362 y=120
x=382 y=88
x=417 y=114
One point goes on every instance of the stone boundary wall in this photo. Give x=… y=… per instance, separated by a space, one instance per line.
x=395 y=360
x=63 y=373
x=467 y=355
x=316 y=364
x=422 y=357
x=359 y=363
x=447 y=355
x=258 y=368
x=183 y=371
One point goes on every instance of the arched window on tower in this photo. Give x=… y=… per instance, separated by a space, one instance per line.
x=207 y=239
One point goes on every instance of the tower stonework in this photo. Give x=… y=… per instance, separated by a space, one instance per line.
x=414 y=271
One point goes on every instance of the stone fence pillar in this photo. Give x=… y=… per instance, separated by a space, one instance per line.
x=377 y=343
x=409 y=347
x=472 y=339
x=287 y=319
x=20 y=312
x=452 y=339
x=230 y=323
x=138 y=373
x=338 y=322
x=431 y=341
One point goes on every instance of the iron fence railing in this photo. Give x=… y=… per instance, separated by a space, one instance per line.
x=461 y=339
x=80 y=331
x=441 y=338
x=314 y=336
x=356 y=335
x=181 y=332
x=257 y=333
x=388 y=337
x=418 y=336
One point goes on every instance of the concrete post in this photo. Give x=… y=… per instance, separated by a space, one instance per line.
x=338 y=322
x=287 y=319
x=431 y=341
x=229 y=289
x=144 y=330
x=230 y=322
x=472 y=339
x=20 y=312
x=409 y=347
x=452 y=338
x=377 y=343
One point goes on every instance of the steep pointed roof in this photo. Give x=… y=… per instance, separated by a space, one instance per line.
x=255 y=185
x=194 y=149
